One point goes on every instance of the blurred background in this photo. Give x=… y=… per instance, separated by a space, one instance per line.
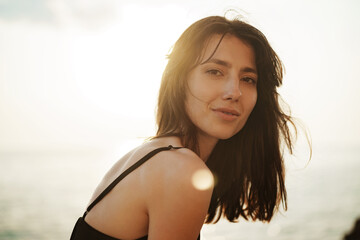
x=78 y=88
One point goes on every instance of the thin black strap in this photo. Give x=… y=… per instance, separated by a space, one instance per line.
x=126 y=172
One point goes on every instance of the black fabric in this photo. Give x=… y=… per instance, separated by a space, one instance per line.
x=83 y=231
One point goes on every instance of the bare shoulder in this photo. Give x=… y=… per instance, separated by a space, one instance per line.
x=178 y=192
x=175 y=166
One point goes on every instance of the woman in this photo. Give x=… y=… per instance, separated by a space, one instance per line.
x=218 y=114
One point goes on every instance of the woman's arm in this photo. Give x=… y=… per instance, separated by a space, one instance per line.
x=176 y=208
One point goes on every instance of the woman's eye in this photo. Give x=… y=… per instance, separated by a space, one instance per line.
x=249 y=80
x=214 y=72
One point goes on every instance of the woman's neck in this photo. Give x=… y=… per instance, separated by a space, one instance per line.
x=206 y=145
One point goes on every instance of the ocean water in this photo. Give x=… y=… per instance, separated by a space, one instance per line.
x=43 y=193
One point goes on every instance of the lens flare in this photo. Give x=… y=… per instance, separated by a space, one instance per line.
x=202 y=180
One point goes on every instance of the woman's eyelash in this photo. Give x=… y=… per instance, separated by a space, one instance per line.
x=214 y=72
x=249 y=80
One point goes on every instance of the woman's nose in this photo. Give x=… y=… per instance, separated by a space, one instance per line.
x=232 y=89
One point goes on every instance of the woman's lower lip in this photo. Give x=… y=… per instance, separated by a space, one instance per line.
x=225 y=116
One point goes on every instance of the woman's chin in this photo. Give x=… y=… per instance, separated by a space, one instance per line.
x=225 y=136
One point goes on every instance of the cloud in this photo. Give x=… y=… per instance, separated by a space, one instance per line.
x=64 y=13
x=33 y=10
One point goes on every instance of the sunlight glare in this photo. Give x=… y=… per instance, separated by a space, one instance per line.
x=122 y=73
x=202 y=180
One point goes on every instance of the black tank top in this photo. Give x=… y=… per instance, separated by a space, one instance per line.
x=83 y=231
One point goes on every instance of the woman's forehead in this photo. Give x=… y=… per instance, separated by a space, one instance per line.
x=210 y=46
x=217 y=44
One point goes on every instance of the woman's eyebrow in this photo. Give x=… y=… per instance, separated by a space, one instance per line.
x=249 y=70
x=218 y=61
x=227 y=64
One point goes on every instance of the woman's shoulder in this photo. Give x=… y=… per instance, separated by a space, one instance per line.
x=177 y=188
x=174 y=163
x=175 y=155
x=177 y=168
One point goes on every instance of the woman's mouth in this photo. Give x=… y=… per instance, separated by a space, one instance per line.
x=227 y=114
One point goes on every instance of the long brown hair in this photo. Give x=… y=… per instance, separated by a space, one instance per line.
x=248 y=167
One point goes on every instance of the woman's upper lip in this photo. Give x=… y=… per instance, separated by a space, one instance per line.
x=227 y=110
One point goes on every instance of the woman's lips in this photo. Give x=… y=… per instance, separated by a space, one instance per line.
x=227 y=114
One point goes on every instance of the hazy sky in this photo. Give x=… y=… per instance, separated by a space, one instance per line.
x=78 y=74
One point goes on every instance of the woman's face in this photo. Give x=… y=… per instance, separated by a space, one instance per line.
x=222 y=91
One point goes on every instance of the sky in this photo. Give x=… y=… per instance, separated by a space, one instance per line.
x=78 y=74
